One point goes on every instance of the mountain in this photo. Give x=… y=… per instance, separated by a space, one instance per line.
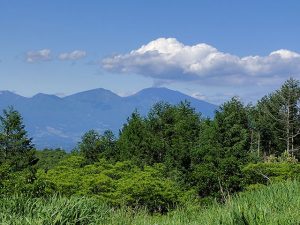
x=144 y=99
x=56 y=122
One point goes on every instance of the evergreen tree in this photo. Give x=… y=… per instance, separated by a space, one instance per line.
x=90 y=147
x=175 y=130
x=223 y=149
x=15 y=147
x=233 y=128
x=108 y=143
x=133 y=142
x=281 y=115
x=166 y=135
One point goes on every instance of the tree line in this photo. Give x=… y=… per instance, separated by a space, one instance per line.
x=174 y=149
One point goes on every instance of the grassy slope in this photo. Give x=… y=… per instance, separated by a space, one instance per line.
x=276 y=204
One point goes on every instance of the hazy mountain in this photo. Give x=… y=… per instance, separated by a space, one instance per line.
x=60 y=122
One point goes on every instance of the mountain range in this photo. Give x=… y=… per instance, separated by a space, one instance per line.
x=59 y=122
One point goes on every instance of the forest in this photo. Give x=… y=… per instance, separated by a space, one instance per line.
x=173 y=166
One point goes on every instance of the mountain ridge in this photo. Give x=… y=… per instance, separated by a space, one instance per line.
x=59 y=122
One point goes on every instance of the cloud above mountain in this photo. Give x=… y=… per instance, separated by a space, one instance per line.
x=170 y=60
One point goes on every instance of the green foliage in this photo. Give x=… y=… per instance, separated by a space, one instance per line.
x=118 y=184
x=276 y=204
x=93 y=145
x=160 y=162
x=278 y=119
x=264 y=173
x=166 y=136
x=175 y=131
x=153 y=190
x=134 y=142
x=284 y=157
x=17 y=154
x=233 y=129
x=89 y=146
x=49 y=158
x=223 y=148
x=15 y=147
x=21 y=210
x=16 y=182
x=109 y=145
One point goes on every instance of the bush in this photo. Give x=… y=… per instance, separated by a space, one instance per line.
x=118 y=184
x=264 y=173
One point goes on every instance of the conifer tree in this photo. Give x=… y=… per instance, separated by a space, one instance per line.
x=281 y=113
x=15 y=146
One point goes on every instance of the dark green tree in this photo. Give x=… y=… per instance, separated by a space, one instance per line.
x=280 y=118
x=133 y=142
x=90 y=146
x=223 y=149
x=108 y=143
x=233 y=129
x=174 y=132
x=166 y=136
x=15 y=146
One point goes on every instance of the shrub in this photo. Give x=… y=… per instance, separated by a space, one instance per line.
x=118 y=184
x=264 y=173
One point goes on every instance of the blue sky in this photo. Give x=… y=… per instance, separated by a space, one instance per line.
x=208 y=49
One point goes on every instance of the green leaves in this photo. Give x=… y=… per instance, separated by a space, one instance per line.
x=278 y=119
x=15 y=147
x=265 y=173
x=223 y=148
x=89 y=146
x=93 y=146
x=166 y=135
x=117 y=184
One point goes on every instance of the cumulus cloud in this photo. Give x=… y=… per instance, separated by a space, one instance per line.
x=37 y=56
x=74 y=55
x=170 y=60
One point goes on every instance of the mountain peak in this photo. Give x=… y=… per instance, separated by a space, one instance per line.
x=154 y=91
x=90 y=96
x=42 y=95
x=96 y=91
x=161 y=92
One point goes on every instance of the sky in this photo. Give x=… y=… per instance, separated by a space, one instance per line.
x=212 y=50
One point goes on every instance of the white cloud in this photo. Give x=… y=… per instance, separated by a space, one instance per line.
x=75 y=55
x=40 y=55
x=199 y=96
x=168 y=59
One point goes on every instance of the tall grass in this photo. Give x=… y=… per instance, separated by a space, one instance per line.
x=275 y=204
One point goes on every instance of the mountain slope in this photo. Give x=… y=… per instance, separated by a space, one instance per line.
x=144 y=99
x=60 y=122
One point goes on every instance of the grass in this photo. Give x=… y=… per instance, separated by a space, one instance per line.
x=276 y=204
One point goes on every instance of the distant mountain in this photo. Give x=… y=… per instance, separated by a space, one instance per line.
x=56 y=122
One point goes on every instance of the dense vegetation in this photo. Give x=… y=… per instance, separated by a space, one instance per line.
x=275 y=204
x=173 y=161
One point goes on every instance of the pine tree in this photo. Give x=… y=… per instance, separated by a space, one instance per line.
x=133 y=142
x=15 y=147
x=108 y=143
x=223 y=148
x=281 y=110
